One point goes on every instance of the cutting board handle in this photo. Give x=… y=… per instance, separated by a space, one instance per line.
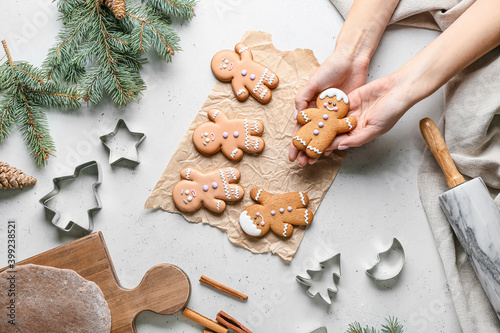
x=438 y=147
x=165 y=289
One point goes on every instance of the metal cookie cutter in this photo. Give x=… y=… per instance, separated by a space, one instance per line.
x=389 y=263
x=320 y=330
x=52 y=202
x=313 y=283
x=120 y=150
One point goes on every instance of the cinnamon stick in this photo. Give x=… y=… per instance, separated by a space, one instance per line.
x=223 y=288
x=204 y=321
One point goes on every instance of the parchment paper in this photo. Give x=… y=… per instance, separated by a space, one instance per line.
x=271 y=169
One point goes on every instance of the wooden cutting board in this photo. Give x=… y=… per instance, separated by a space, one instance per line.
x=165 y=288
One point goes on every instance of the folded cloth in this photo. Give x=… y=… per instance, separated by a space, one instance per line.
x=471 y=127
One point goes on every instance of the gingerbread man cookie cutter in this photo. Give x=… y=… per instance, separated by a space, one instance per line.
x=322 y=124
x=91 y=168
x=313 y=281
x=247 y=76
x=231 y=136
x=279 y=213
x=210 y=189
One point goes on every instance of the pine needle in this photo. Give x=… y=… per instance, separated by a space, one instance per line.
x=25 y=92
x=104 y=54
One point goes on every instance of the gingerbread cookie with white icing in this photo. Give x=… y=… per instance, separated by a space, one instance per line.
x=321 y=125
x=211 y=189
x=279 y=213
x=231 y=136
x=247 y=76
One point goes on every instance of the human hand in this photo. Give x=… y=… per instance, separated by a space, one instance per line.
x=377 y=107
x=339 y=71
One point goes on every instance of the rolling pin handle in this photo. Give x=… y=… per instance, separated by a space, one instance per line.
x=438 y=147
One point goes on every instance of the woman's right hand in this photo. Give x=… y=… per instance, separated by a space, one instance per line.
x=339 y=71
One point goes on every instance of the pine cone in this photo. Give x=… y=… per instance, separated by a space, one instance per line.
x=12 y=178
x=117 y=7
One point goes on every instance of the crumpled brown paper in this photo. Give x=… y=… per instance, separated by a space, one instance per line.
x=271 y=169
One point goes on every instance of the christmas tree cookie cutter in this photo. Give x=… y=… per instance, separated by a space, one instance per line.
x=119 y=143
x=389 y=263
x=50 y=202
x=331 y=266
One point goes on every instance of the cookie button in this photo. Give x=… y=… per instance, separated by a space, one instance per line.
x=320 y=124
x=190 y=198
x=325 y=116
x=282 y=210
x=236 y=134
x=316 y=132
x=273 y=213
x=244 y=72
x=262 y=223
x=225 y=135
x=252 y=77
x=205 y=188
x=207 y=140
x=215 y=185
x=289 y=208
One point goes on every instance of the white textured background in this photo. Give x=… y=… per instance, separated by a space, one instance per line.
x=373 y=198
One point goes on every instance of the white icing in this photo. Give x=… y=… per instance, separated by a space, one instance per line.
x=190 y=198
x=188 y=172
x=271 y=79
x=185 y=201
x=334 y=92
x=348 y=123
x=255 y=126
x=241 y=91
x=300 y=140
x=285 y=229
x=233 y=153
x=216 y=112
x=224 y=184
x=263 y=93
x=314 y=150
x=256 y=145
x=305 y=116
x=302 y=199
x=243 y=49
x=218 y=204
x=248 y=226
x=233 y=174
x=258 y=195
x=236 y=192
x=247 y=135
x=306 y=216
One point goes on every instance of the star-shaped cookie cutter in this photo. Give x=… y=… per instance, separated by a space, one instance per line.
x=91 y=167
x=108 y=142
x=310 y=282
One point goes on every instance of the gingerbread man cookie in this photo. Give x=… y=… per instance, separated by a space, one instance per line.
x=231 y=136
x=211 y=189
x=321 y=125
x=246 y=75
x=279 y=213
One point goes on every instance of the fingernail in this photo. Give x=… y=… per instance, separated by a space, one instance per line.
x=295 y=114
x=343 y=147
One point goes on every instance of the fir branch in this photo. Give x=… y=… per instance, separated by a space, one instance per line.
x=25 y=92
x=183 y=9
x=392 y=326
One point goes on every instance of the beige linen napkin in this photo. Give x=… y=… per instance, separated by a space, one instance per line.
x=471 y=127
x=271 y=169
